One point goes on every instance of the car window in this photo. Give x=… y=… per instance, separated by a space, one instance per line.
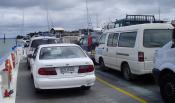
x=35 y=52
x=127 y=39
x=156 y=38
x=61 y=52
x=102 y=39
x=110 y=38
x=115 y=39
x=36 y=43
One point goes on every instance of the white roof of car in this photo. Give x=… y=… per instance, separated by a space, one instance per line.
x=142 y=26
x=59 y=29
x=62 y=44
x=43 y=37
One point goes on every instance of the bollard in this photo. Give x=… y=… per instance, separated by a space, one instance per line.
x=1 y=96
x=13 y=59
x=6 y=78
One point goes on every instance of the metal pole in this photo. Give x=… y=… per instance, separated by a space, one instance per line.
x=47 y=13
x=87 y=11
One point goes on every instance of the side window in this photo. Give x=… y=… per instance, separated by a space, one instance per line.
x=35 y=52
x=102 y=39
x=110 y=39
x=127 y=39
x=115 y=39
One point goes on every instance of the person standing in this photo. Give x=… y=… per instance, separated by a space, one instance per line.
x=89 y=42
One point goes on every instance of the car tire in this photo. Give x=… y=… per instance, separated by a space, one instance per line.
x=102 y=64
x=86 y=88
x=127 y=72
x=167 y=88
x=38 y=90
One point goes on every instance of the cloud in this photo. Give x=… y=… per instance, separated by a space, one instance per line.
x=71 y=14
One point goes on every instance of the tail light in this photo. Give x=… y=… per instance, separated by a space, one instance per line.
x=141 y=56
x=86 y=69
x=47 y=71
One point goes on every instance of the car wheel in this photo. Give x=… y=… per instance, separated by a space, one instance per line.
x=102 y=64
x=126 y=72
x=167 y=88
x=38 y=90
x=86 y=88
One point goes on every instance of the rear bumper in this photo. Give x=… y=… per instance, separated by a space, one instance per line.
x=138 y=68
x=49 y=83
x=156 y=73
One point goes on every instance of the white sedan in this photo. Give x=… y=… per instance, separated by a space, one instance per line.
x=56 y=66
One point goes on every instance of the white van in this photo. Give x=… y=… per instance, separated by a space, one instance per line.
x=130 y=49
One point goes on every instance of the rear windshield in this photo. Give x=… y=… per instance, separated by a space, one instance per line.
x=36 y=43
x=62 y=52
x=156 y=38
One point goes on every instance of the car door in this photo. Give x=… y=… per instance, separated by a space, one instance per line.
x=126 y=48
x=112 y=49
x=110 y=52
x=101 y=49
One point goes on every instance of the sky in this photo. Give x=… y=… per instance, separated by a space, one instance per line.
x=72 y=15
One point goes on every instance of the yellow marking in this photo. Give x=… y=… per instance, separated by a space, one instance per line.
x=122 y=91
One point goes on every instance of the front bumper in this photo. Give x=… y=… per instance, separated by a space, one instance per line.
x=59 y=83
x=156 y=73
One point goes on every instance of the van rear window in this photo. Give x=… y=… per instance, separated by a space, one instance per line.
x=156 y=37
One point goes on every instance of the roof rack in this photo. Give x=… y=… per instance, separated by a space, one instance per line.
x=136 y=19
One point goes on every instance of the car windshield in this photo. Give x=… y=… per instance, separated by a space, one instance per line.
x=156 y=38
x=61 y=52
x=38 y=42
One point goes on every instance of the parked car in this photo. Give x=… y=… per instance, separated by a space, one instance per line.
x=56 y=66
x=36 y=41
x=130 y=49
x=89 y=43
x=164 y=71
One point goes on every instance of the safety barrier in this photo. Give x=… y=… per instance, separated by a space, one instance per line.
x=8 y=65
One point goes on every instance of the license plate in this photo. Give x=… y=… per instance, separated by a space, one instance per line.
x=67 y=70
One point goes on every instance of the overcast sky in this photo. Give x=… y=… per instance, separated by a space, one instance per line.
x=71 y=14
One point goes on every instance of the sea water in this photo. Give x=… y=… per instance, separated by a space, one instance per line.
x=6 y=46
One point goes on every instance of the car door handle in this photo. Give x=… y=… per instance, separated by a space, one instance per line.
x=123 y=54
